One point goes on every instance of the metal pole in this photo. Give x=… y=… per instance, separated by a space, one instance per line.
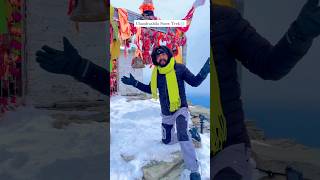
x=201 y=122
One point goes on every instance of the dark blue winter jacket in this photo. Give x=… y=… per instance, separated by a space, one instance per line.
x=233 y=38
x=183 y=75
x=97 y=78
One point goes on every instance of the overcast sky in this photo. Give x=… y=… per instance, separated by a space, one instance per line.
x=198 y=35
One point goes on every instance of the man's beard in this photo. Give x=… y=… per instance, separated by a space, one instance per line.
x=163 y=60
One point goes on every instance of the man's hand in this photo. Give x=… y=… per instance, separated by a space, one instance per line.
x=129 y=81
x=67 y=61
x=308 y=21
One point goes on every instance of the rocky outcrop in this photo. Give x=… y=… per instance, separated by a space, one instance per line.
x=87 y=112
x=164 y=170
x=277 y=154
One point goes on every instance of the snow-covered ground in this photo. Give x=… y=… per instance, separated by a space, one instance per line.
x=31 y=149
x=136 y=132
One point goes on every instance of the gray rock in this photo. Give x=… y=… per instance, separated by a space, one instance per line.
x=196 y=110
x=277 y=154
x=164 y=170
x=274 y=157
x=254 y=132
x=127 y=158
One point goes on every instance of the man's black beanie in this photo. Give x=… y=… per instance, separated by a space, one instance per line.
x=158 y=50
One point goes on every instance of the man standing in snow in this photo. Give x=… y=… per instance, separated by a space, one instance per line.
x=169 y=77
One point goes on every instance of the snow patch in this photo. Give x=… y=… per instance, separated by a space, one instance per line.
x=31 y=148
x=136 y=132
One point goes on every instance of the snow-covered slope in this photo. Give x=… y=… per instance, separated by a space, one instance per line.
x=30 y=148
x=136 y=133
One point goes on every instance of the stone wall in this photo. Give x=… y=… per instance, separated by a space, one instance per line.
x=124 y=64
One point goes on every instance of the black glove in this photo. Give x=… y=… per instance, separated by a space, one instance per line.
x=206 y=68
x=129 y=81
x=307 y=25
x=67 y=61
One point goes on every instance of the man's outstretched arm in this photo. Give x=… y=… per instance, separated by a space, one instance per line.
x=96 y=77
x=135 y=83
x=69 y=62
x=274 y=62
x=193 y=80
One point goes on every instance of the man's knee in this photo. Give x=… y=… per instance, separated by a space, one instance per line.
x=182 y=126
x=166 y=133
